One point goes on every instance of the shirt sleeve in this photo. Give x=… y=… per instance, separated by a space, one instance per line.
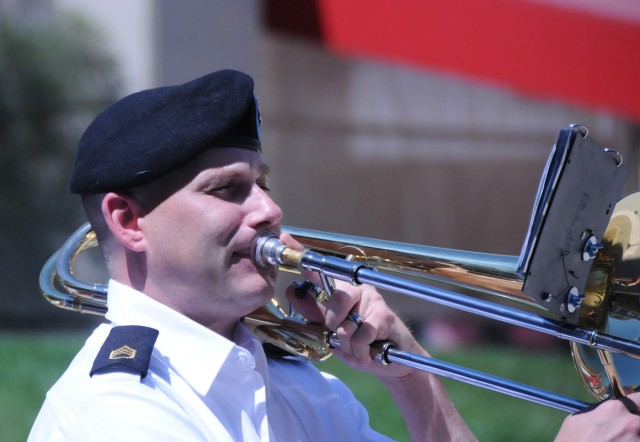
x=45 y=427
x=318 y=405
x=114 y=414
x=355 y=409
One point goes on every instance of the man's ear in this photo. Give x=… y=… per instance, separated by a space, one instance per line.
x=122 y=214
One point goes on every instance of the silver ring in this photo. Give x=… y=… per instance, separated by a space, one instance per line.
x=355 y=318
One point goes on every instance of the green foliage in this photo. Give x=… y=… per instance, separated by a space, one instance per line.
x=491 y=416
x=32 y=363
x=496 y=417
x=54 y=77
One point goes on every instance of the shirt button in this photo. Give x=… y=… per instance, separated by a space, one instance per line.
x=244 y=360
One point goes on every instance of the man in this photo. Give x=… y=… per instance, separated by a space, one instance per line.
x=173 y=182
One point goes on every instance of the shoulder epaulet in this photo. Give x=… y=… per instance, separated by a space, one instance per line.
x=127 y=349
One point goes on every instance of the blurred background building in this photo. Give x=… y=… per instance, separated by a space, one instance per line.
x=422 y=121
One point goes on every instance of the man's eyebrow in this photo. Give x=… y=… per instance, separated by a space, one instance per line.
x=265 y=169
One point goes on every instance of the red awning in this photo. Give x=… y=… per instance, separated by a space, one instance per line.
x=580 y=52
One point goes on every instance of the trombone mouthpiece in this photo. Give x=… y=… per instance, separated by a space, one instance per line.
x=268 y=251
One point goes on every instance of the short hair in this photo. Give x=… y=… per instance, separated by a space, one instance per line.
x=92 y=205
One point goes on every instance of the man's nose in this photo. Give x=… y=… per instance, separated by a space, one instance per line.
x=263 y=209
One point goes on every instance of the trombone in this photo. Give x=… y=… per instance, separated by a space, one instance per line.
x=379 y=263
x=599 y=317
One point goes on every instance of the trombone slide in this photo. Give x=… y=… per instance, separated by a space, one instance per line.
x=269 y=250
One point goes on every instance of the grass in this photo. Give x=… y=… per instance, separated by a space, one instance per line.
x=496 y=417
x=491 y=416
x=31 y=363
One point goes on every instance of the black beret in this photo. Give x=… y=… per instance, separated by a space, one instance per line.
x=147 y=134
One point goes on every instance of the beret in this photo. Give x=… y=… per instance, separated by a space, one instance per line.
x=150 y=133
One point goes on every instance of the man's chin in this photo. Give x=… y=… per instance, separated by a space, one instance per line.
x=264 y=289
x=269 y=276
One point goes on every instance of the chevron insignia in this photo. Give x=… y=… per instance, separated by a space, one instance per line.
x=124 y=352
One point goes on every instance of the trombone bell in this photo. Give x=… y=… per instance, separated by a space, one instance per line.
x=612 y=305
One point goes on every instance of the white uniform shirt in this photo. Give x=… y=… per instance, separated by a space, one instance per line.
x=200 y=386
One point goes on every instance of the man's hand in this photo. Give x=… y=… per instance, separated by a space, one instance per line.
x=612 y=420
x=379 y=323
x=425 y=405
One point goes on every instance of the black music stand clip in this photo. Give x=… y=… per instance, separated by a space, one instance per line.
x=579 y=188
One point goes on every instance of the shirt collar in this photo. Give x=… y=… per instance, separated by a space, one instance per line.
x=189 y=345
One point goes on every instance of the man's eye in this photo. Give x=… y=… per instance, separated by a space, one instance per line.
x=265 y=187
x=219 y=190
x=231 y=191
x=227 y=191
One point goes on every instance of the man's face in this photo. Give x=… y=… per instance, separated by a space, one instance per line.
x=199 y=238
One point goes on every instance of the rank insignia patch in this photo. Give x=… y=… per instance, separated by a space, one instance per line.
x=127 y=349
